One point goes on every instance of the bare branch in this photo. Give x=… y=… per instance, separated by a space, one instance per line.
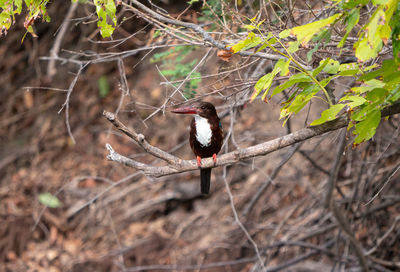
x=51 y=70
x=198 y=29
x=140 y=140
x=177 y=165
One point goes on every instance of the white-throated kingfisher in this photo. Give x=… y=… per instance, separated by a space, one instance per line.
x=205 y=136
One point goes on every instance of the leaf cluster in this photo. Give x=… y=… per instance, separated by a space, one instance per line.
x=174 y=67
x=378 y=86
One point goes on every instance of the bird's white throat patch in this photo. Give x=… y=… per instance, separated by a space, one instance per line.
x=203 y=130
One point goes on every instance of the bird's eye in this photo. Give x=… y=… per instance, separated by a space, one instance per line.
x=203 y=107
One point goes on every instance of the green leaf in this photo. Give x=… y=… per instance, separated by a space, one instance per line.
x=249 y=27
x=376 y=32
x=365 y=51
x=49 y=200
x=5 y=20
x=326 y=80
x=304 y=33
x=283 y=66
x=353 y=3
x=323 y=35
x=105 y=9
x=292 y=80
x=263 y=83
x=379 y=2
x=328 y=115
x=251 y=41
x=352 y=19
x=312 y=51
x=350 y=22
x=389 y=71
x=253 y=19
x=396 y=37
x=262 y=47
x=303 y=98
x=366 y=129
x=104 y=86
x=321 y=66
x=18 y=4
x=377 y=95
x=293 y=46
x=356 y=100
x=349 y=69
x=394 y=95
x=332 y=67
x=260 y=23
x=284 y=34
x=361 y=113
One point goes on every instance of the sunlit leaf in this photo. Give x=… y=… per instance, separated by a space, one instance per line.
x=321 y=66
x=366 y=129
x=331 y=67
x=249 y=27
x=312 y=51
x=302 y=99
x=328 y=115
x=283 y=66
x=105 y=9
x=356 y=100
x=351 y=20
x=49 y=200
x=377 y=95
x=293 y=46
x=284 y=34
x=353 y=3
x=304 y=33
x=349 y=69
x=251 y=41
x=292 y=80
x=264 y=83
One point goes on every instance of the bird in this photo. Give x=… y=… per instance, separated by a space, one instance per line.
x=206 y=137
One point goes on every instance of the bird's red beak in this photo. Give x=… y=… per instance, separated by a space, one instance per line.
x=185 y=110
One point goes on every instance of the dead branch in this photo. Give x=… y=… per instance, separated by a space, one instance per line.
x=177 y=165
x=51 y=67
x=153 y=15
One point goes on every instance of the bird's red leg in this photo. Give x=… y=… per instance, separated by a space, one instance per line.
x=198 y=161
x=215 y=158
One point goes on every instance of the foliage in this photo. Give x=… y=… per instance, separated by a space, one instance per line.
x=379 y=86
x=105 y=10
x=104 y=86
x=173 y=67
x=49 y=200
x=10 y=8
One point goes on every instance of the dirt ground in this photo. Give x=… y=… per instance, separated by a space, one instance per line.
x=114 y=218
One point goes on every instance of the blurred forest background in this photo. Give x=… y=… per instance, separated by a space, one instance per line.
x=269 y=211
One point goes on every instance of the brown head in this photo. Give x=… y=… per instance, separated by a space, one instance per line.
x=204 y=109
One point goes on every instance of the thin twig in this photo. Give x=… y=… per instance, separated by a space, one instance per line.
x=237 y=220
x=57 y=43
x=247 y=209
x=262 y=149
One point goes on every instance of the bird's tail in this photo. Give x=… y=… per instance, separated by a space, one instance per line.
x=205 y=176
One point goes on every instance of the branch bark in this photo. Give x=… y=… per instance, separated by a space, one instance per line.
x=198 y=29
x=177 y=165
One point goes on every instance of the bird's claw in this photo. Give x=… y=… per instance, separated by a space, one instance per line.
x=198 y=161
x=214 y=156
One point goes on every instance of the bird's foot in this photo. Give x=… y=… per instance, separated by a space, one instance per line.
x=198 y=161
x=215 y=158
